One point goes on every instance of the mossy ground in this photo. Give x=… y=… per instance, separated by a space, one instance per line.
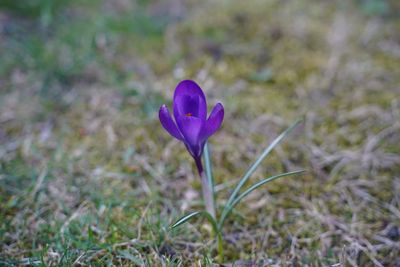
x=89 y=177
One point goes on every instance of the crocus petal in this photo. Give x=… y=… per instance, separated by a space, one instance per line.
x=187 y=105
x=190 y=127
x=168 y=123
x=189 y=88
x=213 y=122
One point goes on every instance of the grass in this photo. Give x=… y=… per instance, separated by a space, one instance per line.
x=88 y=176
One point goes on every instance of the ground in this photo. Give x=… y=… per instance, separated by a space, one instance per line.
x=89 y=177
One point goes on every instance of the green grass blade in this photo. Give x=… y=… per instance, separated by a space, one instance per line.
x=229 y=208
x=185 y=218
x=208 y=168
x=189 y=216
x=254 y=166
x=207 y=262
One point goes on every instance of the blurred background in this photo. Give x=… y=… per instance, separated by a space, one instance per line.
x=88 y=176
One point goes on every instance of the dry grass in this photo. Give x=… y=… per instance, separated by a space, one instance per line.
x=88 y=176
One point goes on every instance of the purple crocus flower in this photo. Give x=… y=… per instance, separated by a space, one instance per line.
x=190 y=111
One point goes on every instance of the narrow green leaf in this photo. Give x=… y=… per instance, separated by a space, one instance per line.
x=185 y=218
x=207 y=262
x=229 y=208
x=189 y=216
x=208 y=167
x=254 y=166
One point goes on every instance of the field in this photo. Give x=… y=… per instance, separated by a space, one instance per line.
x=88 y=176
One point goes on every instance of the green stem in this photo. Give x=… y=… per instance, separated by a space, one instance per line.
x=208 y=170
x=208 y=195
x=207 y=183
x=220 y=247
x=217 y=234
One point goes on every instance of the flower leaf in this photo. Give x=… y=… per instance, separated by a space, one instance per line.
x=229 y=208
x=185 y=218
x=203 y=213
x=254 y=166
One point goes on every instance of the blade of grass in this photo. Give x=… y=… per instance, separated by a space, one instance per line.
x=189 y=216
x=185 y=218
x=229 y=208
x=254 y=166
